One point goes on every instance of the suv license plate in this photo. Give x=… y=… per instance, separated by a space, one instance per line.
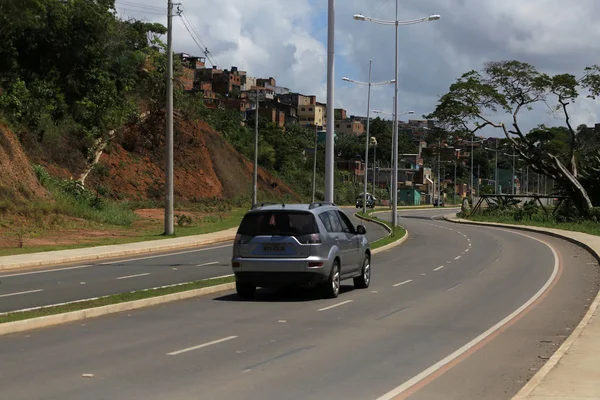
x=274 y=247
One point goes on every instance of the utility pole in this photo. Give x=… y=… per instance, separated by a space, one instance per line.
x=169 y=227
x=513 y=172
x=366 y=178
x=255 y=172
x=330 y=138
x=374 y=166
x=314 y=182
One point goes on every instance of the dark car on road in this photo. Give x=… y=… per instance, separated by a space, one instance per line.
x=307 y=244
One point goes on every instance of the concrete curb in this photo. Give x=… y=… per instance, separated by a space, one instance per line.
x=60 y=257
x=50 y=320
x=387 y=228
x=553 y=361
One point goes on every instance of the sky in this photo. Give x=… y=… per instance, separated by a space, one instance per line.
x=287 y=39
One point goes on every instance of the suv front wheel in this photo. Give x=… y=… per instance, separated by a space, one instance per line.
x=364 y=280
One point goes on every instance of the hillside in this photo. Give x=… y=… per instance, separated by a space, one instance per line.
x=18 y=183
x=205 y=165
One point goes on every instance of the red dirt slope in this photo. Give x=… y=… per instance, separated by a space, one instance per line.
x=17 y=180
x=206 y=165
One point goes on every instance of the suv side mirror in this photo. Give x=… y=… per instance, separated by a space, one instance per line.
x=361 y=230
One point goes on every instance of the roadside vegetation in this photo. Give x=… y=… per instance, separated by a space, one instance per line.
x=568 y=155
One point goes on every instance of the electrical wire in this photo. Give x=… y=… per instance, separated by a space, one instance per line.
x=140 y=5
x=195 y=36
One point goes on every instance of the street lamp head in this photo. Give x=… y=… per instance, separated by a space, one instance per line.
x=346 y=79
x=434 y=17
x=377 y=111
x=410 y=112
x=360 y=17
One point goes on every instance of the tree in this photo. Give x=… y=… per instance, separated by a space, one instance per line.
x=511 y=87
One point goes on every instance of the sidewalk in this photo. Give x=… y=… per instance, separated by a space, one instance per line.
x=573 y=372
x=51 y=258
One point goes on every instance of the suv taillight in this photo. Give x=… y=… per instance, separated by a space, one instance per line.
x=311 y=238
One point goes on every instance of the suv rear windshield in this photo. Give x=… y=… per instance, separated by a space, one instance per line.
x=278 y=222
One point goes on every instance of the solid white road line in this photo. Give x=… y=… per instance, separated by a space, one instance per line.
x=45 y=271
x=335 y=305
x=166 y=255
x=440 y=364
x=208 y=263
x=20 y=293
x=174 y=353
x=438 y=268
x=403 y=283
x=133 y=276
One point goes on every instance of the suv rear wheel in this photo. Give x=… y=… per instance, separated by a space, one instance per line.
x=245 y=290
x=331 y=288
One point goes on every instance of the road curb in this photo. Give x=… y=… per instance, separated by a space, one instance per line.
x=57 y=319
x=553 y=361
x=54 y=259
x=387 y=228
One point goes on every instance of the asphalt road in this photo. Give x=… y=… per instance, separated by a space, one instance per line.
x=41 y=287
x=431 y=298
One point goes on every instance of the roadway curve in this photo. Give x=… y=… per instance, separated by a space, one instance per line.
x=447 y=285
x=42 y=287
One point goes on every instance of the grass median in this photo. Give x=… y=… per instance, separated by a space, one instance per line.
x=112 y=299
x=397 y=232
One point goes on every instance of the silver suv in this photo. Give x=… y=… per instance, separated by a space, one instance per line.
x=310 y=244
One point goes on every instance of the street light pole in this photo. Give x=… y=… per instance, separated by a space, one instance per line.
x=329 y=142
x=395 y=134
x=369 y=84
x=255 y=172
x=374 y=164
x=314 y=182
x=396 y=23
x=169 y=201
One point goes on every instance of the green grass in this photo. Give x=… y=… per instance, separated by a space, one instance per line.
x=112 y=299
x=590 y=227
x=230 y=220
x=397 y=233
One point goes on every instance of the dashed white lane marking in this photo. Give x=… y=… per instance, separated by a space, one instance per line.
x=335 y=305
x=454 y=287
x=457 y=257
x=451 y=357
x=497 y=259
x=403 y=283
x=20 y=293
x=133 y=276
x=467 y=250
x=438 y=268
x=45 y=271
x=174 y=353
x=208 y=263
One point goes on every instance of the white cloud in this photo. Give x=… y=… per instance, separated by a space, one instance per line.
x=285 y=39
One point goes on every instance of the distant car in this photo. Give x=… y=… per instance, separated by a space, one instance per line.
x=370 y=200
x=307 y=244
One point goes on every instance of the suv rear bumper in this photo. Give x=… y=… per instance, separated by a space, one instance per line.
x=279 y=279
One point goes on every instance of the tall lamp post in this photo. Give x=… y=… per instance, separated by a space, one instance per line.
x=329 y=140
x=396 y=23
x=514 y=157
x=369 y=84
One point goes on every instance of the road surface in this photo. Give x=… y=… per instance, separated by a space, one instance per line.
x=422 y=329
x=42 y=287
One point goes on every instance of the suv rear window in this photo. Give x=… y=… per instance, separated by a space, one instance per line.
x=278 y=222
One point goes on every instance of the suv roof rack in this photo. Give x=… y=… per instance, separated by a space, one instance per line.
x=320 y=204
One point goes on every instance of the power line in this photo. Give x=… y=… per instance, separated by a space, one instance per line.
x=380 y=7
x=139 y=11
x=196 y=36
x=140 y=5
